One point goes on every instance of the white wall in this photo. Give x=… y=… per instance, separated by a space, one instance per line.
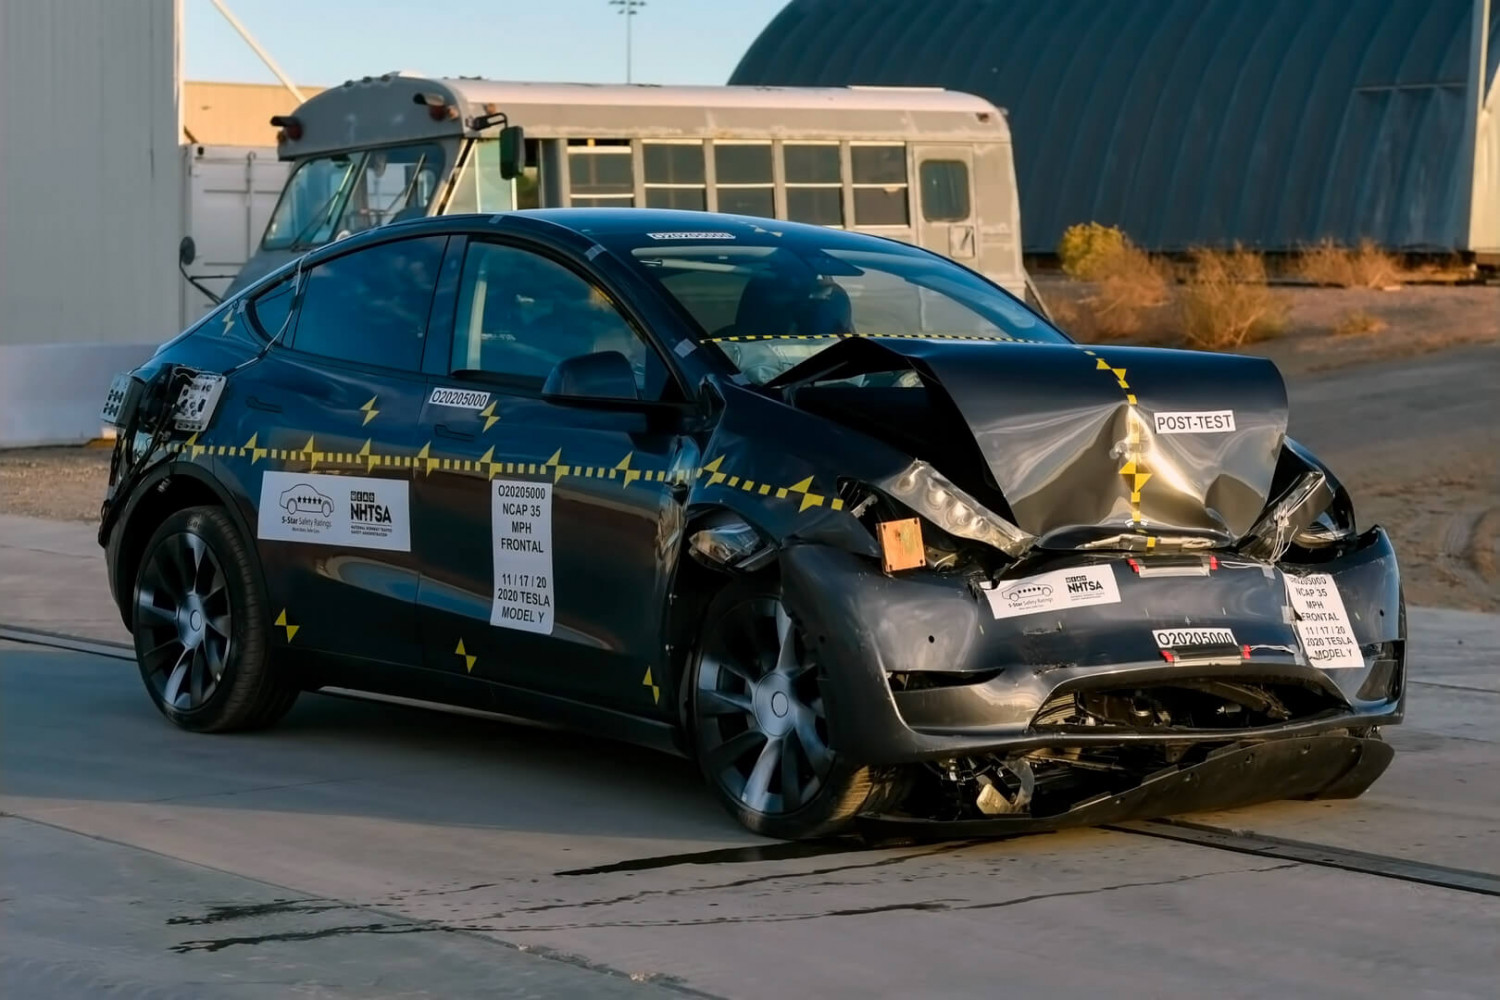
x=90 y=199
x=229 y=195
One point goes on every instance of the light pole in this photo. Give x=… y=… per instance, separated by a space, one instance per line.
x=628 y=9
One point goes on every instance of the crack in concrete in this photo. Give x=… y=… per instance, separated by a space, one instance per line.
x=739 y=883
x=924 y=906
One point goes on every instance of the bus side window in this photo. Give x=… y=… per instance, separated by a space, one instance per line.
x=479 y=187
x=601 y=173
x=945 y=190
x=744 y=180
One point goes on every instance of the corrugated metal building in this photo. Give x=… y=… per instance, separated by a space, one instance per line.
x=1275 y=123
x=91 y=189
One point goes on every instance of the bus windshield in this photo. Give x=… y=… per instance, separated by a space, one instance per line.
x=333 y=196
x=771 y=306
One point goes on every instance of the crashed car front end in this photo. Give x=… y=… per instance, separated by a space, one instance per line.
x=1132 y=596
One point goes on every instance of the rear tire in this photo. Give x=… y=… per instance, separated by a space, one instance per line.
x=201 y=628
x=759 y=727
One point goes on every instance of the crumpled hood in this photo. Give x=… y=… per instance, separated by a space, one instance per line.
x=1128 y=438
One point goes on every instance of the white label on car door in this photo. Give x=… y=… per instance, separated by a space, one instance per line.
x=521 y=533
x=1322 y=624
x=353 y=511
x=463 y=399
x=1054 y=591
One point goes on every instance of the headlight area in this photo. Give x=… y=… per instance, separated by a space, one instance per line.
x=920 y=519
x=1311 y=510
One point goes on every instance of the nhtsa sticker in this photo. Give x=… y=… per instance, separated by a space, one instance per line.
x=463 y=399
x=1054 y=591
x=1322 y=624
x=1195 y=422
x=351 y=511
x=1179 y=638
x=521 y=532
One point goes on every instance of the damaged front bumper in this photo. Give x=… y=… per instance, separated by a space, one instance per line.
x=925 y=673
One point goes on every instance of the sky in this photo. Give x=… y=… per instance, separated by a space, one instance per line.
x=325 y=42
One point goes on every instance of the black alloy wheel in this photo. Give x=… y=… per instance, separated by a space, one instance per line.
x=182 y=607
x=202 y=636
x=760 y=722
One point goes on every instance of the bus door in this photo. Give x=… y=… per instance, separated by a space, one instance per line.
x=945 y=196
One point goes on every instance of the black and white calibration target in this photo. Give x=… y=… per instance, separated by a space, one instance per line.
x=521 y=532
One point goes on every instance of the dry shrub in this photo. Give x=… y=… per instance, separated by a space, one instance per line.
x=1083 y=246
x=1225 y=301
x=1358 y=323
x=1128 y=282
x=1365 y=267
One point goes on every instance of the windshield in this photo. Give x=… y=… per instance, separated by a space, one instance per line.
x=335 y=196
x=772 y=306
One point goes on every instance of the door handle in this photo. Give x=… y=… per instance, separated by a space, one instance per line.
x=256 y=403
x=446 y=431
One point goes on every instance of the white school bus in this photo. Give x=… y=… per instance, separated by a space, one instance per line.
x=928 y=166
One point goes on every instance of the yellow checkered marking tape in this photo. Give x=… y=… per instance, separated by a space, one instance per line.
x=367 y=459
x=1134 y=468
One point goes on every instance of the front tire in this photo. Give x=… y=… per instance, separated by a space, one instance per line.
x=201 y=627
x=759 y=724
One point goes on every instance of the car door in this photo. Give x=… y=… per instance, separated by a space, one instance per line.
x=325 y=444
x=547 y=529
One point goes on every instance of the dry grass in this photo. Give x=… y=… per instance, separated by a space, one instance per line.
x=1225 y=302
x=1358 y=323
x=1364 y=267
x=1128 y=283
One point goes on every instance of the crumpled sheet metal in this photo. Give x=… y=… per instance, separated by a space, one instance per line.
x=1078 y=437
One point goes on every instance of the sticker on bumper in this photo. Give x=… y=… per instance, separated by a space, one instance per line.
x=1195 y=422
x=1055 y=591
x=351 y=511
x=1322 y=624
x=1180 y=638
x=521 y=533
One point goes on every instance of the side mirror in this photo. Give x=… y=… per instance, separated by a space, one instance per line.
x=187 y=251
x=512 y=152
x=603 y=375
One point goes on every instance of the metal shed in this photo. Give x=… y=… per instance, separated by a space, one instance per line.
x=1273 y=123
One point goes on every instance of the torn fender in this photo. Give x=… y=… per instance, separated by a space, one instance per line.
x=780 y=468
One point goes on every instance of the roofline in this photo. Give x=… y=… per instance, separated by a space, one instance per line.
x=564 y=110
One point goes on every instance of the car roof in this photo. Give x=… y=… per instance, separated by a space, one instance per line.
x=586 y=222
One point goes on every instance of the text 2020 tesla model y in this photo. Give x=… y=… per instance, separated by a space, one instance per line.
x=839 y=518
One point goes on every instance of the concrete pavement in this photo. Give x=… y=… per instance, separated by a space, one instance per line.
x=365 y=849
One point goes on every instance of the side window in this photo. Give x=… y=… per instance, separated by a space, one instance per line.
x=269 y=309
x=519 y=314
x=879 y=184
x=371 y=306
x=945 y=190
x=746 y=185
x=814 y=183
x=601 y=173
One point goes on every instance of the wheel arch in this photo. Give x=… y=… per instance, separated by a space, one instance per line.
x=693 y=590
x=169 y=488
